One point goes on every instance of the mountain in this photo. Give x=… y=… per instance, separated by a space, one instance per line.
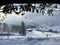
x=56 y=28
x=45 y=27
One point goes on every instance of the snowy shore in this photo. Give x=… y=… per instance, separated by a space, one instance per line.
x=33 y=34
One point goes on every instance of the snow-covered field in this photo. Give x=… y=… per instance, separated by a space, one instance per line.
x=32 y=38
x=32 y=41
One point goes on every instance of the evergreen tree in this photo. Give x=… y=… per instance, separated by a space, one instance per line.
x=5 y=27
x=23 y=30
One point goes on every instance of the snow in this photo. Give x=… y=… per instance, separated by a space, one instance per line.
x=57 y=28
x=32 y=38
x=46 y=28
x=33 y=34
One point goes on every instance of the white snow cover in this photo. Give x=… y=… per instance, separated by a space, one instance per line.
x=57 y=28
x=32 y=38
x=33 y=34
x=46 y=28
